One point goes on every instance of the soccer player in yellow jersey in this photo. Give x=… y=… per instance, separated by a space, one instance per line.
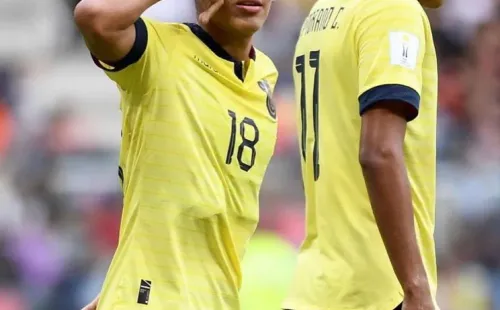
x=366 y=83
x=198 y=131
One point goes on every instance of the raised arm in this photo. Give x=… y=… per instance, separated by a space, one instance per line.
x=108 y=26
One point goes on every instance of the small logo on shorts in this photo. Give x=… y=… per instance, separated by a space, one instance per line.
x=144 y=290
x=271 y=108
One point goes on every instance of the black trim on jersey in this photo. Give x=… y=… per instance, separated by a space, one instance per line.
x=135 y=54
x=198 y=31
x=120 y=174
x=390 y=92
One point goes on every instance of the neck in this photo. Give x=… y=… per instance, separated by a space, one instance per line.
x=238 y=47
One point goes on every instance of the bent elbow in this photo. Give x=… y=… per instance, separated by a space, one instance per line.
x=378 y=156
x=89 y=16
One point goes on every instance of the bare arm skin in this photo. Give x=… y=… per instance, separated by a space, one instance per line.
x=108 y=25
x=383 y=164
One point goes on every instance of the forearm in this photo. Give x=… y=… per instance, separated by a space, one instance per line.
x=389 y=191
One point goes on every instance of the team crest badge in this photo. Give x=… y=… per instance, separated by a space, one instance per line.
x=271 y=108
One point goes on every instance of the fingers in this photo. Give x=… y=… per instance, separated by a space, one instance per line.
x=205 y=16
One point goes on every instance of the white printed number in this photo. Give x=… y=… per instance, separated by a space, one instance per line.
x=404 y=48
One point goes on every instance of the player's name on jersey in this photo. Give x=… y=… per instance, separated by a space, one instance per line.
x=322 y=19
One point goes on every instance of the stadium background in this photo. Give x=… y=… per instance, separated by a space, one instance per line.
x=59 y=136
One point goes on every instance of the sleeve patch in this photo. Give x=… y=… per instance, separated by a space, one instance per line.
x=404 y=48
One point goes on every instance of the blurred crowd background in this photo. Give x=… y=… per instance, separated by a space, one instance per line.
x=60 y=201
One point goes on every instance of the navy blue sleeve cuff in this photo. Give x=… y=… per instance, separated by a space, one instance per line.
x=390 y=92
x=135 y=54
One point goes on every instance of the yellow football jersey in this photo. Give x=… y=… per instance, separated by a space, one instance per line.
x=350 y=55
x=199 y=129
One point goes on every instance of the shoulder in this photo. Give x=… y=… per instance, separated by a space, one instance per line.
x=266 y=66
x=373 y=18
x=164 y=31
x=394 y=8
x=166 y=26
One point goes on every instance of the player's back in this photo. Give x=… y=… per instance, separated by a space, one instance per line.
x=197 y=139
x=350 y=54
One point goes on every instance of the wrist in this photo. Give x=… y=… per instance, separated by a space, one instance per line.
x=417 y=286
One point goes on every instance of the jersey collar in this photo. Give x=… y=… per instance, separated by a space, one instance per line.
x=214 y=46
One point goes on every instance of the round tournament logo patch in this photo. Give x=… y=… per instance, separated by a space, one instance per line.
x=271 y=108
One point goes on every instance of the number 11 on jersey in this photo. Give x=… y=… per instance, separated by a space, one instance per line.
x=300 y=66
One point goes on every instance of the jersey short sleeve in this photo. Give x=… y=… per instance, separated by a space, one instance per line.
x=390 y=42
x=138 y=69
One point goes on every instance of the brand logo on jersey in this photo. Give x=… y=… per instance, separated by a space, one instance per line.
x=271 y=108
x=205 y=64
x=144 y=290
